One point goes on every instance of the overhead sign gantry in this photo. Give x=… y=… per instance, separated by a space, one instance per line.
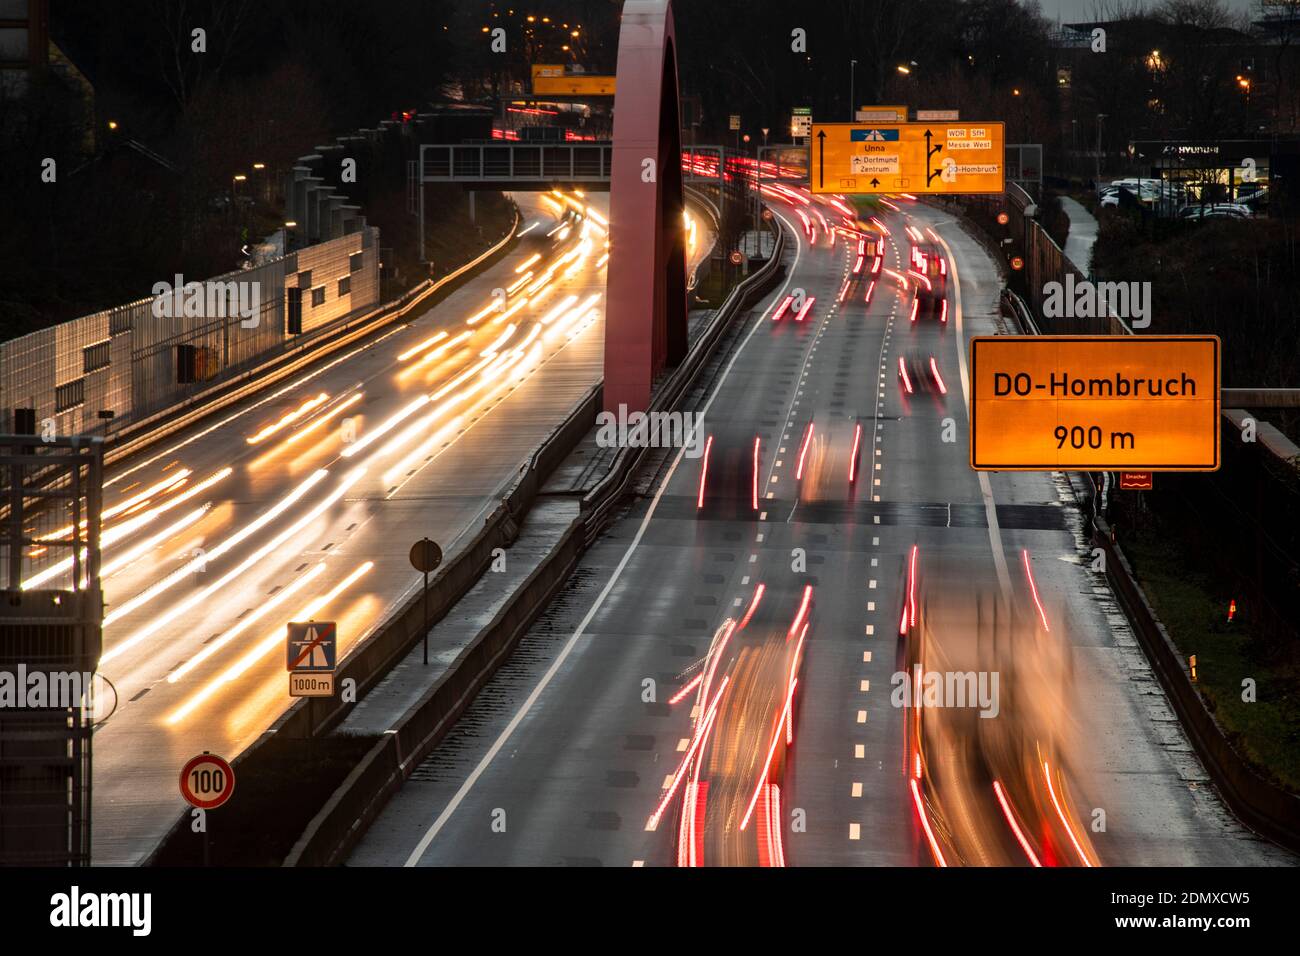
x=942 y=158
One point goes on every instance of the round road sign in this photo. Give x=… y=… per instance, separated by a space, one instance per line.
x=425 y=555
x=736 y=258
x=207 y=782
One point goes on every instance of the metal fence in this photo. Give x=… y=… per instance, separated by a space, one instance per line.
x=103 y=372
x=516 y=162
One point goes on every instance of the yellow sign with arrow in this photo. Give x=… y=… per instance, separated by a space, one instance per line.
x=944 y=158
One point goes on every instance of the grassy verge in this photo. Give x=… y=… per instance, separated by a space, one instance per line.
x=1194 y=611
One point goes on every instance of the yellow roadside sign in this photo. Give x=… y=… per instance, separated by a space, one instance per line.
x=1095 y=403
x=550 y=79
x=966 y=157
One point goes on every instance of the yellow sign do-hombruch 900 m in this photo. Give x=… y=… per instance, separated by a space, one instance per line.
x=966 y=157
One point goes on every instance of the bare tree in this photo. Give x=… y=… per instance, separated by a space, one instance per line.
x=182 y=69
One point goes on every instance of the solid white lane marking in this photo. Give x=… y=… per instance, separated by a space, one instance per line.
x=986 y=489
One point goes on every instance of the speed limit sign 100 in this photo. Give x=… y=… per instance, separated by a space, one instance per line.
x=207 y=782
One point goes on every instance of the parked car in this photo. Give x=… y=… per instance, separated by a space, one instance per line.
x=1120 y=196
x=1221 y=210
x=1254 y=196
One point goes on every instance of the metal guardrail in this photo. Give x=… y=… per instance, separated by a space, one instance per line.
x=1261 y=398
x=1261 y=804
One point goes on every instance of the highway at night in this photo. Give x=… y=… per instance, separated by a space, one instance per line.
x=476 y=437
x=588 y=773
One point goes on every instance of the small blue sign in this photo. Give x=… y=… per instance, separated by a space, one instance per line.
x=873 y=136
x=311 y=647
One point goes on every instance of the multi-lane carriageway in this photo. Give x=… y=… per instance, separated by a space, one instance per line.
x=713 y=686
x=303 y=503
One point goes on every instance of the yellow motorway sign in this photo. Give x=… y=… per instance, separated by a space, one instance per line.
x=1095 y=403
x=574 y=85
x=550 y=79
x=967 y=157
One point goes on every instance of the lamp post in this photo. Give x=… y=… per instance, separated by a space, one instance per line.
x=853 y=88
x=266 y=181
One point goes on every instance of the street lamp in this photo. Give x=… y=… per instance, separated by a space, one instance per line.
x=853 y=88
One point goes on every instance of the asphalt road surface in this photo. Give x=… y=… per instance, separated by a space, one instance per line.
x=649 y=718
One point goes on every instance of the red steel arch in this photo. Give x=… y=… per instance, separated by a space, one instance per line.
x=645 y=314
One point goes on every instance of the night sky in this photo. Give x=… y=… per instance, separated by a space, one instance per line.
x=1074 y=11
